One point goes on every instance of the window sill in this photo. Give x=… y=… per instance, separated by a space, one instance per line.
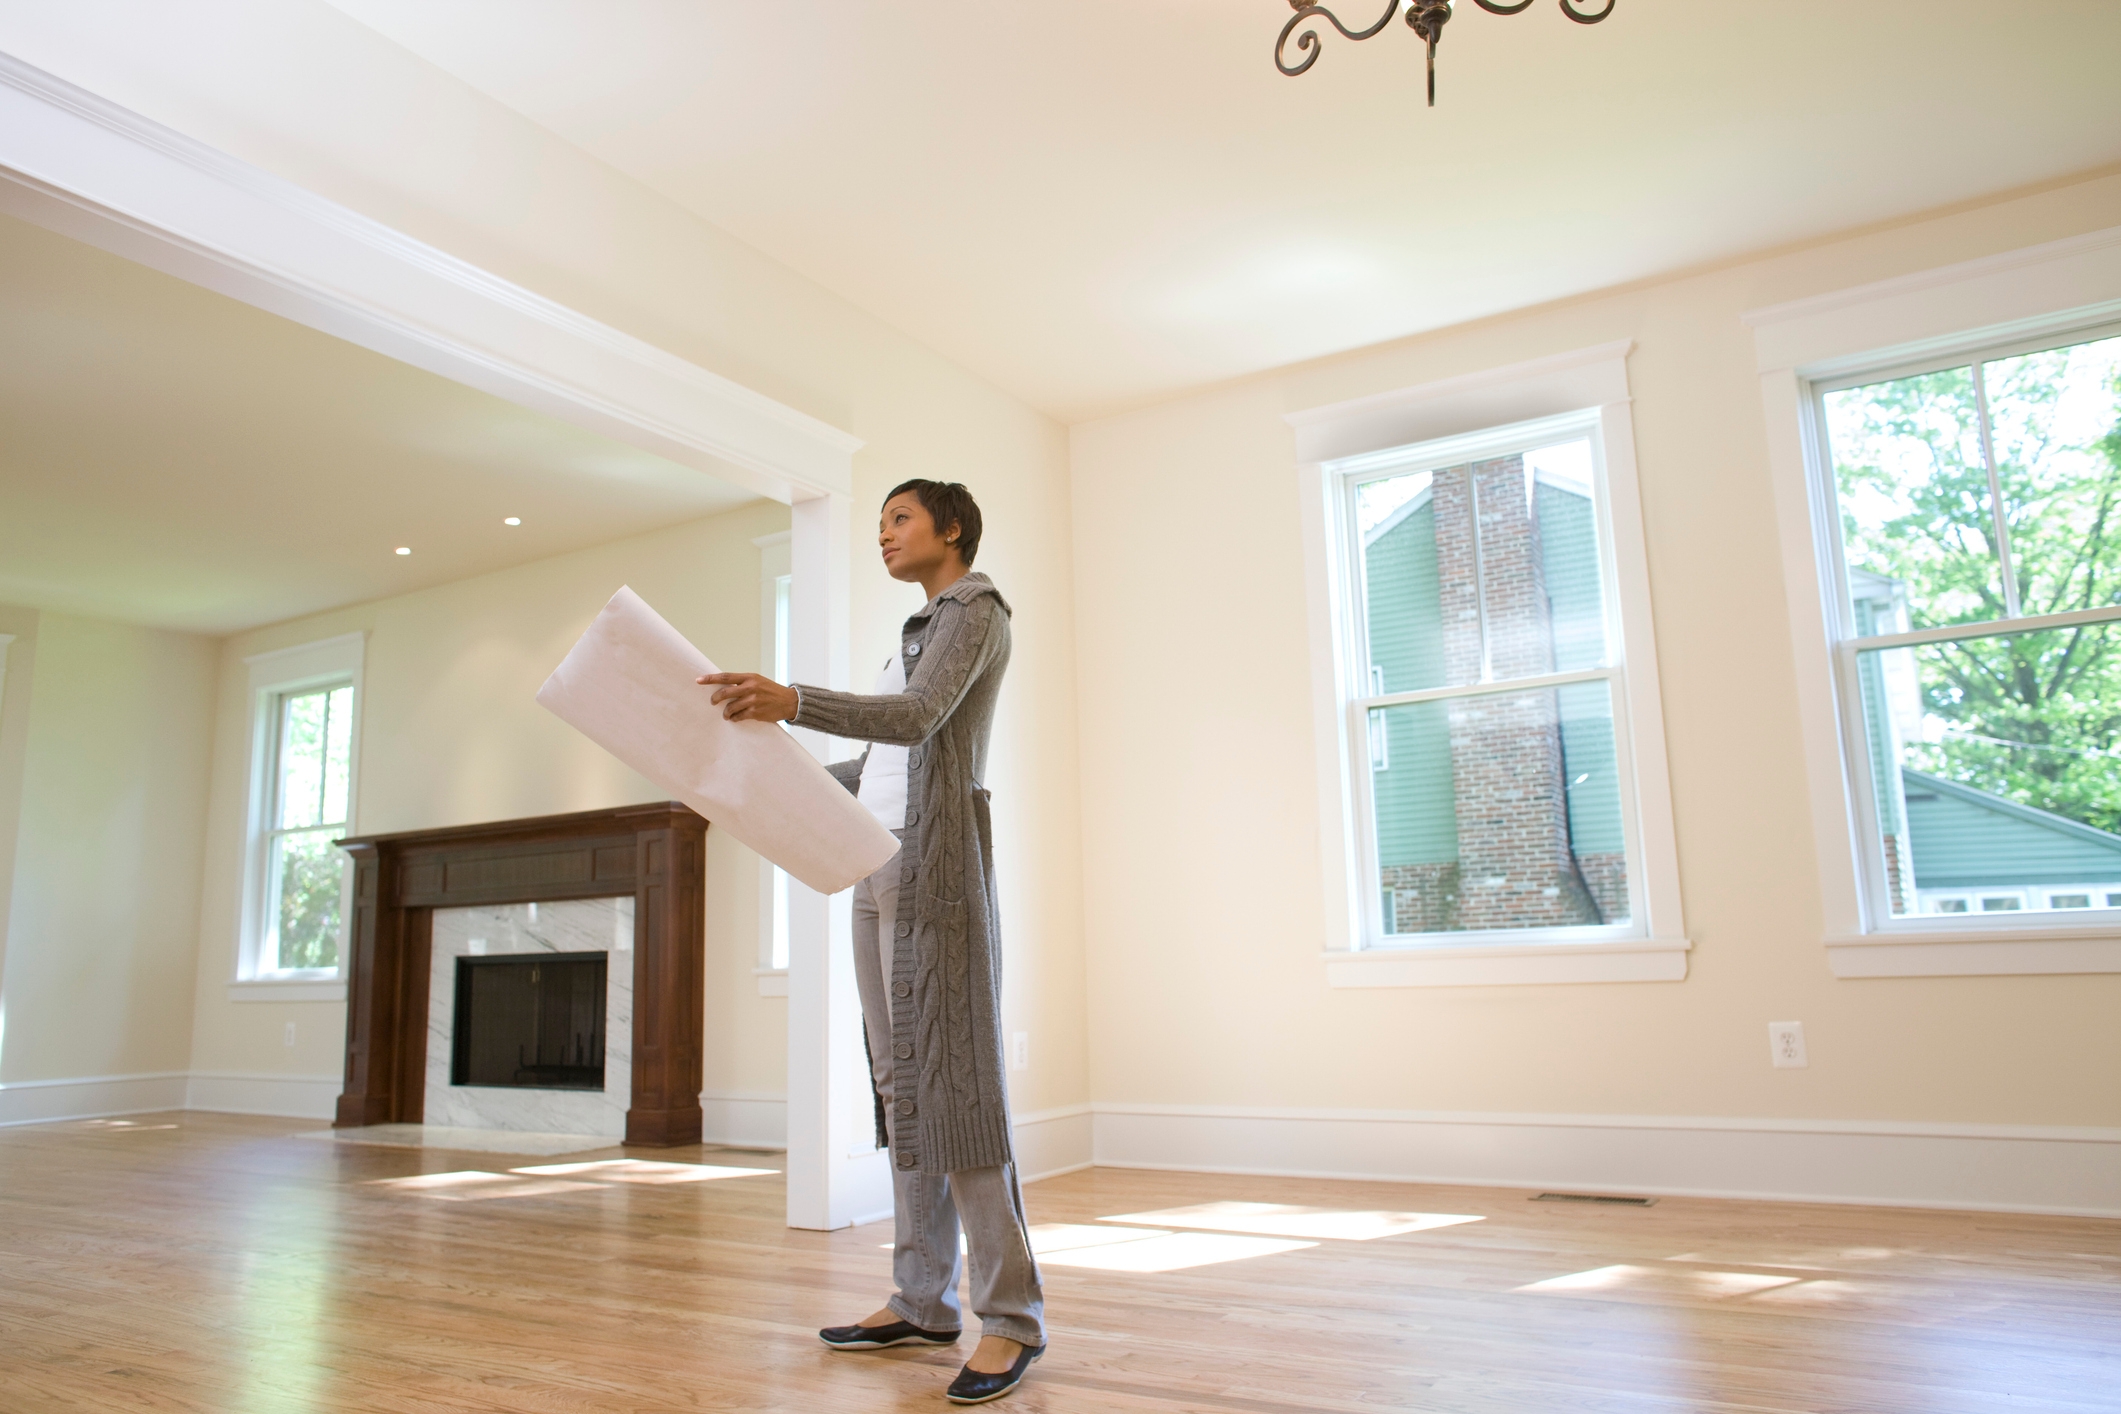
x=1510 y=964
x=288 y=989
x=1966 y=953
x=773 y=981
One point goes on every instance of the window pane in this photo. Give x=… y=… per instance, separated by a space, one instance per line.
x=2055 y=419
x=1501 y=811
x=1916 y=528
x=1482 y=572
x=306 y=876
x=1397 y=520
x=338 y=754
x=1994 y=769
x=1565 y=524
x=316 y=754
x=302 y=723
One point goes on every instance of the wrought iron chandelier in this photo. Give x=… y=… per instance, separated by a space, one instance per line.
x=1425 y=17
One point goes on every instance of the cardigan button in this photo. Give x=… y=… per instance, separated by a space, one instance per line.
x=905 y=930
x=905 y=1107
x=913 y=757
x=905 y=875
x=901 y=989
x=905 y=1161
x=903 y=1050
x=913 y=650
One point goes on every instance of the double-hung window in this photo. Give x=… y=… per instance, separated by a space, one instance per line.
x=312 y=746
x=1479 y=607
x=1494 y=746
x=304 y=740
x=1977 y=527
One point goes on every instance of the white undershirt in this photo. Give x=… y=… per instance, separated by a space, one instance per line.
x=884 y=774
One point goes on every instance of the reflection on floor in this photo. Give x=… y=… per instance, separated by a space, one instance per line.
x=216 y=1264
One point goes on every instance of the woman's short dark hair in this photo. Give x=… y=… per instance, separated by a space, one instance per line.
x=947 y=503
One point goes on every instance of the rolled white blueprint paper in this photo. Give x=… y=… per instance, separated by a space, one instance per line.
x=628 y=686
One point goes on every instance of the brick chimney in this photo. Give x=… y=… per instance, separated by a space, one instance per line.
x=1514 y=866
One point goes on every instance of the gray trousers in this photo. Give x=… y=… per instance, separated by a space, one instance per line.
x=1006 y=1293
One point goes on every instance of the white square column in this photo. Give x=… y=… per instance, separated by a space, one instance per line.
x=836 y=1174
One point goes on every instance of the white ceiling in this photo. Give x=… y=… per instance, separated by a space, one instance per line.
x=173 y=457
x=1099 y=202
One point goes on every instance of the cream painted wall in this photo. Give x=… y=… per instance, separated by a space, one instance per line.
x=303 y=91
x=1203 y=902
x=103 y=916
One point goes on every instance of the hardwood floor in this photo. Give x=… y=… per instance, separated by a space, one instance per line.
x=203 y=1262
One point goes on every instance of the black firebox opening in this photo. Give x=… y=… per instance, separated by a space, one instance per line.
x=533 y=1020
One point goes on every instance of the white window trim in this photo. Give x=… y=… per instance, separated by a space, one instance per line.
x=2050 y=290
x=1589 y=385
x=272 y=675
x=776 y=562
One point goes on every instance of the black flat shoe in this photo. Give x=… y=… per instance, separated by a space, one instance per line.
x=976 y=1387
x=878 y=1337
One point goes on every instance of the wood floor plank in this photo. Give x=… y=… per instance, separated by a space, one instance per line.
x=204 y=1264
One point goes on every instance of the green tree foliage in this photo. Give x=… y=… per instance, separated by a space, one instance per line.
x=2035 y=717
x=310 y=873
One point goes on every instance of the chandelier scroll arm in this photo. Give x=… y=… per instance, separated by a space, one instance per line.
x=1583 y=17
x=1519 y=8
x=1307 y=42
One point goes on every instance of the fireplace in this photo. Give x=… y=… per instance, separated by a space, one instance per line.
x=532 y=1020
x=624 y=883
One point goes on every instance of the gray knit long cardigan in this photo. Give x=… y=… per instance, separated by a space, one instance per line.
x=956 y=1115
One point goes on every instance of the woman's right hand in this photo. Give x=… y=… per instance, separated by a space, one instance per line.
x=751 y=697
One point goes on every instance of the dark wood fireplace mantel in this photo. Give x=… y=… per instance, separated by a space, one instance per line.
x=654 y=852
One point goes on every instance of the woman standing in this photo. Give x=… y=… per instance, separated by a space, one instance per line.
x=927 y=946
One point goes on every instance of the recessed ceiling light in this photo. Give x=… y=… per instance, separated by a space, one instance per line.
x=512 y=520
x=405 y=549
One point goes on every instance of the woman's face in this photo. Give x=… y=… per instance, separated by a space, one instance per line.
x=906 y=533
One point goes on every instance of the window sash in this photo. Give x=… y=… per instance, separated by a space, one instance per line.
x=1357 y=674
x=1844 y=617
x=1860 y=767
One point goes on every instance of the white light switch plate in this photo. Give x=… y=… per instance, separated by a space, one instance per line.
x=1786 y=1045
x=1019 y=1050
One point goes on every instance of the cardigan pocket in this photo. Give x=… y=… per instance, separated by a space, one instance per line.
x=945 y=915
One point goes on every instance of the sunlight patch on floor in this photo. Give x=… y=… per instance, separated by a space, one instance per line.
x=1668 y=1280
x=1148 y=1250
x=122 y=1124
x=1292 y=1220
x=642 y=1171
x=1047 y=1238
x=476 y=1185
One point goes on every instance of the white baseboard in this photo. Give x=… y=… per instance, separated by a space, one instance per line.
x=1052 y=1142
x=242 y=1092
x=745 y=1121
x=90 y=1097
x=2004 y=1168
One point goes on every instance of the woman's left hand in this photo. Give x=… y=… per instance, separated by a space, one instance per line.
x=748 y=697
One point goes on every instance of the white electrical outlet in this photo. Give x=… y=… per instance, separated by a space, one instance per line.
x=1786 y=1045
x=289 y=1039
x=1019 y=1050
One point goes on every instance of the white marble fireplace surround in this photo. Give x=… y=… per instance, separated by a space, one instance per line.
x=576 y=925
